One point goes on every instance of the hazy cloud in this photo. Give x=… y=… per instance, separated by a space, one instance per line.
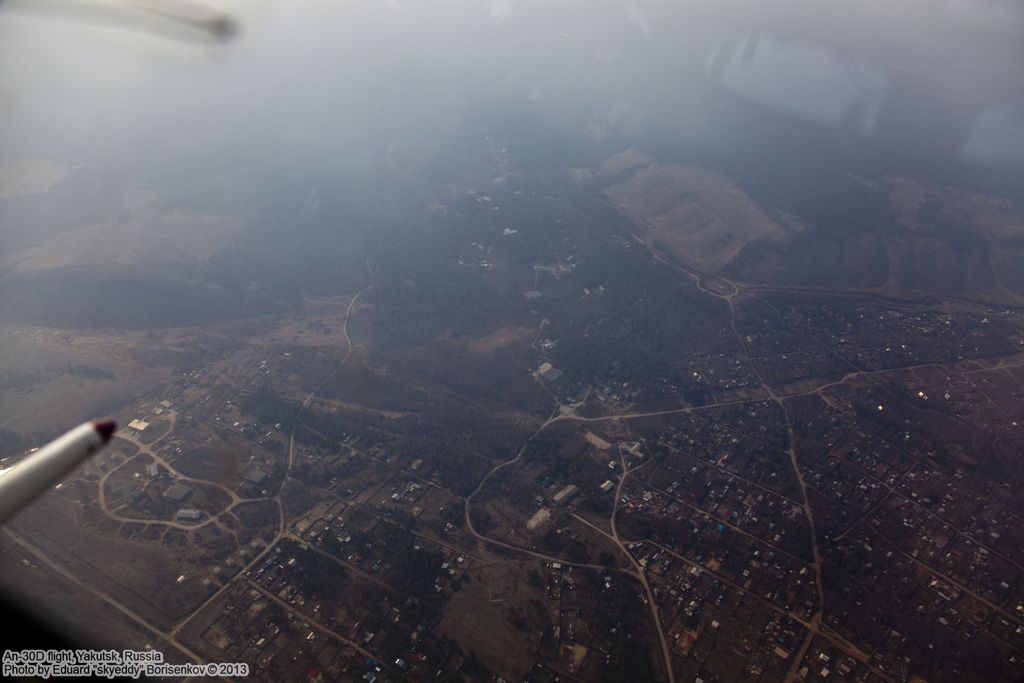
x=638 y=19
x=621 y=118
x=499 y=10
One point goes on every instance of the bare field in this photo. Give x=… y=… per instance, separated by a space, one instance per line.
x=626 y=160
x=495 y=615
x=216 y=461
x=56 y=378
x=597 y=441
x=31 y=176
x=142 y=577
x=147 y=236
x=701 y=216
x=489 y=343
x=87 y=619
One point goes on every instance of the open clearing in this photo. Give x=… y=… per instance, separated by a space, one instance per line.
x=499 y=338
x=703 y=217
x=538 y=518
x=20 y=177
x=597 y=441
x=483 y=614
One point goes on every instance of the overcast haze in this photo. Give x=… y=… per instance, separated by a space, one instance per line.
x=337 y=83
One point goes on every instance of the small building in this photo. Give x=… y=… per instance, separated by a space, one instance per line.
x=566 y=494
x=607 y=485
x=152 y=470
x=138 y=425
x=178 y=492
x=188 y=515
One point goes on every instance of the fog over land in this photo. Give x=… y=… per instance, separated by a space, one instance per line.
x=321 y=129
